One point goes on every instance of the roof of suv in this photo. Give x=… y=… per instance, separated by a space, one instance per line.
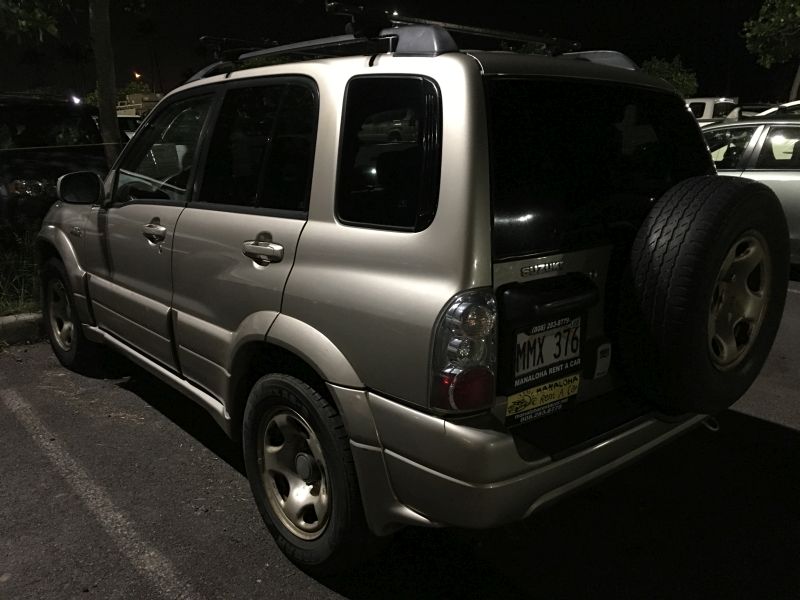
x=511 y=63
x=428 y=39
x=490 y=62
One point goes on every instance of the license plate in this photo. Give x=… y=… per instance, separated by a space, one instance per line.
x=547 y=351
x=541 y=400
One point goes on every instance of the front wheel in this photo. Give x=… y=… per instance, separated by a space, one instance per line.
x=302 y=475
x=64 y=329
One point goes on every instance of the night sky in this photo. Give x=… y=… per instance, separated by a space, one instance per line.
x=162 y=42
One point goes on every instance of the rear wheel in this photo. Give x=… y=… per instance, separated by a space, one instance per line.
x=302 y=475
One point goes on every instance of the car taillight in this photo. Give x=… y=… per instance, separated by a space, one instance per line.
x=464 y=354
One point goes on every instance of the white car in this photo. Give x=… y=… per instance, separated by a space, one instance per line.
x=711 y=110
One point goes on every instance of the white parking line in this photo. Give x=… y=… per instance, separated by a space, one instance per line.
x=153 y=565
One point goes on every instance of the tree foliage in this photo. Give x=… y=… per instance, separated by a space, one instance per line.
x=774 y=36
x=30 y=18
x=21 y=19
x=673 y=72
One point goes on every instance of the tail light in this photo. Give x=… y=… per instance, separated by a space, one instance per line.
x=464 y=354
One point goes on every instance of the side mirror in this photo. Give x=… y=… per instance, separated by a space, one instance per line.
x=83 y=187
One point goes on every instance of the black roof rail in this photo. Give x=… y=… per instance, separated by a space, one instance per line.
x=373 y=31
x=370 y=19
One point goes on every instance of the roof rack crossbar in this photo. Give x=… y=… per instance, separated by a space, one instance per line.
x=334 y=42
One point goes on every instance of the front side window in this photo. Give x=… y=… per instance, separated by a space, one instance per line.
x=781 y=150
x=390 y=157
x=727 y=146
x=262 y=151
x=159 y=165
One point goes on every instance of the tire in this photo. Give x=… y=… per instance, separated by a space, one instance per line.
x=708 y=281
x=61 y=323
x=326 y=532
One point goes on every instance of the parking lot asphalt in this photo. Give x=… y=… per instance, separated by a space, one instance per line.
x=119 y=487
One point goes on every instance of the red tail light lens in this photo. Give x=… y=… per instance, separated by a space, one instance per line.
x=467 y=390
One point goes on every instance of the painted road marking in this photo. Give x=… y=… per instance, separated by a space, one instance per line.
x=151 y=563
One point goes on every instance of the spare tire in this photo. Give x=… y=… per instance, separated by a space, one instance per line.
x=708 y=277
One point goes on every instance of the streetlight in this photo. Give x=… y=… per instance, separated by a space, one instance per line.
x=137 y=75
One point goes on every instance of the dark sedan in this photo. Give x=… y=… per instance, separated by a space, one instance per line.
x=40 y=140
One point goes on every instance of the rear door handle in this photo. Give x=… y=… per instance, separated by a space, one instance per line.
x=263 y=252
x=154 y=232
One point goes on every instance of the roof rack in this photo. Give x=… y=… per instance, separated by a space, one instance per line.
x=371 y=31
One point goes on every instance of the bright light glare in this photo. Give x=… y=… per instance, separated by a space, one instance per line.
x=137 y=75
x=75 y=99
x=395 y=13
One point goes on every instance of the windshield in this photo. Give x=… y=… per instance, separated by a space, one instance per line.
x=569 y=159
x=46 y=126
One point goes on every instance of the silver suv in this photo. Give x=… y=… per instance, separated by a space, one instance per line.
x=538 y=281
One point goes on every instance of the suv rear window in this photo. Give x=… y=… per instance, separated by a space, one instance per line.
x=571 y=159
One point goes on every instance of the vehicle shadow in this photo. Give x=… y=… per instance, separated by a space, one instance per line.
x=179 y=409
x=710 y=515
x=707 y=516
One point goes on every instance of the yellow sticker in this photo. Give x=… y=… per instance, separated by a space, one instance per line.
x=544 y=394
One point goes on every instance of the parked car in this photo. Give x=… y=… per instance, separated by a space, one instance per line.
x=542 y=280
x=767 y=151
x=746 y=111
x=782 y=111
x=128 y=124
x=40 y=140
x=711 y=109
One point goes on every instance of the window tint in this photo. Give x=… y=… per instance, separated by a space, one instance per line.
x=389 y=164
x=159 y=165
x=727 y=146
x=780 y=149
x=697 y=108
x=572 y=161
x=262 y=151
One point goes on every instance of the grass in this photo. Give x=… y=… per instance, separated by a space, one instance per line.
x=19 y=275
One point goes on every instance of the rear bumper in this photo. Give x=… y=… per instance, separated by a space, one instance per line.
x=427 y=471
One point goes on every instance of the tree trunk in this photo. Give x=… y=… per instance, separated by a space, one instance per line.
x=795 y=85
x=100 y=27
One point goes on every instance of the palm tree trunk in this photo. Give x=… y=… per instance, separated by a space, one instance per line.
x=795 y=85
x=100 y=27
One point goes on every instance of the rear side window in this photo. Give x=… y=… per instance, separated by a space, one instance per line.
x=572 y=160
x=781 y=149
x=390 y=153
x=262 y=150
x=727 y=146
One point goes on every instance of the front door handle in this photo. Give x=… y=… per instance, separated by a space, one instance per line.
x=154 y=232
x=263 y=252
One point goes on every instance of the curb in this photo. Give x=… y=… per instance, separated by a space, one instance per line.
x=21 y=329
